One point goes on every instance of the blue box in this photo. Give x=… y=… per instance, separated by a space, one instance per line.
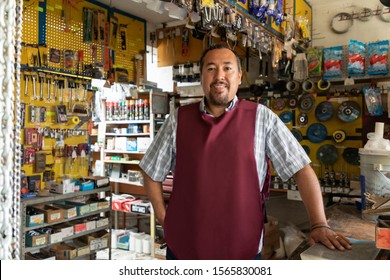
x=87 y=186
x=131 y=145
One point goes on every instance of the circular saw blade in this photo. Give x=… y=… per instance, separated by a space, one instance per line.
x=306 y=103
x=316 y=132
x=348 y=111
x=327 y=154
x=324 y=111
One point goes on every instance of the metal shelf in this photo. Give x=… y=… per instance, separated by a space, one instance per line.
x=128 y=122
x=25 y=229
x=37 y=248
x=25 y=202
x=55 y=197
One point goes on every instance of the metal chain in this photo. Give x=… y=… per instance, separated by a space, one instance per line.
x=10 y=50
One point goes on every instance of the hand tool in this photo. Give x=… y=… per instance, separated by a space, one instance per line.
x=41 y=82
x=48 y=80
x=34 y=87
x=25 y=84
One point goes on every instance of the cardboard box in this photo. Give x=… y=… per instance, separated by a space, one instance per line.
x=160 y=250
x=79 y=226
x=64 y=251
x=35 y=220
x=81 y=247
x=97 y=240
x=68 y=210
x=100 y=181
x=131 y=145
x=36 y=240
x=52 y=214
x=123 y=241
x=143 y=143
x=66 y=229
x=271 y=238
x=56 y=237
x=82 y=208
x=62 y=189
x=90 y=225
x=93 y=206
x=39 y=256
x=382 y=232
x=103 y=204
x=101 y=222
x=140 y=206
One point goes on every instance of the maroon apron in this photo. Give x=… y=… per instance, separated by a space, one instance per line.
x=216 y=209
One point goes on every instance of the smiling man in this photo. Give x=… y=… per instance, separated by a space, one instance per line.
x=218 y=150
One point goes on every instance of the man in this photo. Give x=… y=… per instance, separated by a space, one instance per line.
x=218 y=151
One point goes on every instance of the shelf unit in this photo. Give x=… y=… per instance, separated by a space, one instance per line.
x=26 y=202
x=129 y=159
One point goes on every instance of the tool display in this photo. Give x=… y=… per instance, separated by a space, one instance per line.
x=317 y=132
x=348 y=111
x=324 y=111
x=306 y=103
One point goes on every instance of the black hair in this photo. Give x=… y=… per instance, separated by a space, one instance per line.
x=219 y=46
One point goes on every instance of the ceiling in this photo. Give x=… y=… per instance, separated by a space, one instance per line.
x=139 y=10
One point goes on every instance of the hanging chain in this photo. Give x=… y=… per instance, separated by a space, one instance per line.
x=10 y=150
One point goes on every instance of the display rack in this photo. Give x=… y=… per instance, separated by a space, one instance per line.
x=52 y=198
x=126 y=159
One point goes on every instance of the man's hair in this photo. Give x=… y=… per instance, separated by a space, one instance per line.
x=215 y=47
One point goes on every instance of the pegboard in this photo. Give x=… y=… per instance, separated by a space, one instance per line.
x=67 y=34
x=352 y=130
x=135 y=31
x=30 y=22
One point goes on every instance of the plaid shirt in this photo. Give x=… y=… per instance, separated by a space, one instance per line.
x=272 y=138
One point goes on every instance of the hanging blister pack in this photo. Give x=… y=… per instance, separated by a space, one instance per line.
x=378 y=58
x=372 y=96
x=333 y=58
x=356 y=58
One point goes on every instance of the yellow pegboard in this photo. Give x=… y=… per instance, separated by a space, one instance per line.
x=351 y=129
x=68 y=34
x=135 y=45
x=30 y=22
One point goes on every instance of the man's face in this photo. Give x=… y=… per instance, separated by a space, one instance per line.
x=220 y=77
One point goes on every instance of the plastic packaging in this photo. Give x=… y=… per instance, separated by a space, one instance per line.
x=378 y=58
x=356 y=58
x=372 y=96
x=333 y=62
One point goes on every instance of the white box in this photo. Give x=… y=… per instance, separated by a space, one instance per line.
x=91 y=225
x=56 y=237
x=143 y=143
x=120 y=143
x=110 y=144
x=102 y=222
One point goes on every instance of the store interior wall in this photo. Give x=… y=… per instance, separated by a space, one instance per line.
x=373 y=29
x=285 y=210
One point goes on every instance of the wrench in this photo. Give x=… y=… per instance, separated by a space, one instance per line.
x=26 y=84
x=48 y=79
x=84 y=93
x=41 y=82
x=34 y=87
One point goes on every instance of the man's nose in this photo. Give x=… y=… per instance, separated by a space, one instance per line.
x=220 y=74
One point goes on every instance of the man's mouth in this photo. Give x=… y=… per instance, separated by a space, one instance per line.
x=220 y=85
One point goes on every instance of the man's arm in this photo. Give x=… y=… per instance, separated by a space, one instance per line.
x=155 y=194
x=310 y=191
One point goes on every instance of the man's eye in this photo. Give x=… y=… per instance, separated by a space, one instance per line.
x=211 y=69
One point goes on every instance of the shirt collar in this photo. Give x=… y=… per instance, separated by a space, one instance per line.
x=203 y=109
